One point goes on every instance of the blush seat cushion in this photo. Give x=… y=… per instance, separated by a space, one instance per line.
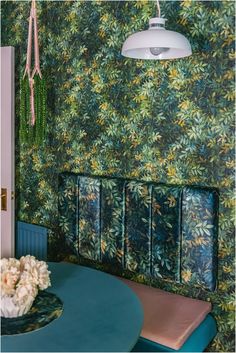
x=169 y=319
x=197 y=341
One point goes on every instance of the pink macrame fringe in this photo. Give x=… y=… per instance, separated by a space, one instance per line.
x=33 y=17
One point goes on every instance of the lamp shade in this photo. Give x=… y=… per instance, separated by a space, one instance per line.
x=156 y=43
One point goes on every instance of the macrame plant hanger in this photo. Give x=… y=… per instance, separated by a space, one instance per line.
x=33 y=89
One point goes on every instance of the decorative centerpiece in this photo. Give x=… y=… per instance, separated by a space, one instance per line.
x=20 y=282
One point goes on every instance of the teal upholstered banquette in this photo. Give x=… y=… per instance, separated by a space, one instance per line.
x=152 y=229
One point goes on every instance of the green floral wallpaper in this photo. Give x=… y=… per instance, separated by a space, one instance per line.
x=170 y=121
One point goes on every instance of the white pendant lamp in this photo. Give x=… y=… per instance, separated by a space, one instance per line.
x=156 y=43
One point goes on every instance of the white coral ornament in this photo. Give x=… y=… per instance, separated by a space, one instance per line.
x=20 y=282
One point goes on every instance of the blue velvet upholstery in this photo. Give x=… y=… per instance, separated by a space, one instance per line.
x=69 y=210
x=166 y=231
x=138 y=227
x=197 y=342
x=158 y=230
x=112 y=222
x=89 y=218
x=199 y=226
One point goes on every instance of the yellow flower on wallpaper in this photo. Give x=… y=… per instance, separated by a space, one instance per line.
x=186 y=275
x=173 y=73
x=172 y=201
x=82 y=224
x=103 y=246
x=171 y=171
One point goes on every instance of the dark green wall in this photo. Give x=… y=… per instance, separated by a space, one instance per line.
x=169 y=121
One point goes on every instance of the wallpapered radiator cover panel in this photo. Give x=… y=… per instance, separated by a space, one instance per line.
x=163 y=231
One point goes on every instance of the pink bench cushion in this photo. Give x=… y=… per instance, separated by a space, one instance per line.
x=169 y=319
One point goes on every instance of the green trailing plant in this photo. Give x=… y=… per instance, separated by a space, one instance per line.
x=33 y=134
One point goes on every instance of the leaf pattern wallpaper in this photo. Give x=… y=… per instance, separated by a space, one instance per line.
x=165 y=121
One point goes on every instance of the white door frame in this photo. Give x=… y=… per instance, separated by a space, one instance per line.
x=8 y=151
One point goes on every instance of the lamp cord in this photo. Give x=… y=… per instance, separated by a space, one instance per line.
x=158 y=9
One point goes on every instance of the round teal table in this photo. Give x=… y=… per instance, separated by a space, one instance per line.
x=100 y=314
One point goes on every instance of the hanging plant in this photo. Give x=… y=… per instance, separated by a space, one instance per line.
x=33 y=93
x=33 y=133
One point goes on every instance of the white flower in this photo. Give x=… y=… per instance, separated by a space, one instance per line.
x=25 y=292
x=43 y=275
x=8 y=283
x=21 y=279
x=10 y=273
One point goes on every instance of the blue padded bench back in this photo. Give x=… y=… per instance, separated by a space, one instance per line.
x=163 y=231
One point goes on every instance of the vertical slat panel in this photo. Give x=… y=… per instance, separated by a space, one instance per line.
x=89 y=218
x=112 y=221
x=138 y=231
x=68 y=209
x=31 y=240
x=199 y=237
x=18 y=243
x=166 y=223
